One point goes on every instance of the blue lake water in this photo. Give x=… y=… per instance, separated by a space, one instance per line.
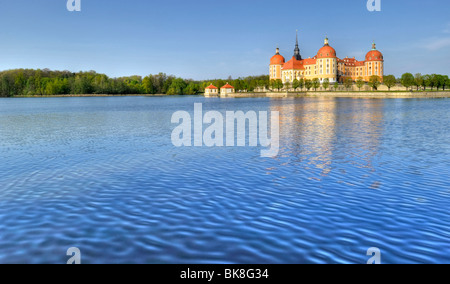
x=101 y=174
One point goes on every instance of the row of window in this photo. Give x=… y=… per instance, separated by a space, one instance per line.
x=346 y=71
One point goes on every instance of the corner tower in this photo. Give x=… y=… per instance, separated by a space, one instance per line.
x=327 y=62
x=276 y=63
x=374 y=63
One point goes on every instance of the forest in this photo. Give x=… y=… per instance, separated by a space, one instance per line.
x=27 y=82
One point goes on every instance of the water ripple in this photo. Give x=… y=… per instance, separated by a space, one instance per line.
x=101 y=174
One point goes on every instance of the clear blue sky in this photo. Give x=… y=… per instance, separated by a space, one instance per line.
x=205 y=39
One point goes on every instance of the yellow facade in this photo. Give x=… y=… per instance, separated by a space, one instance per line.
x=275 y=70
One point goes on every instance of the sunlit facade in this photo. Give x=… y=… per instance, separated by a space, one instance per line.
x=326 y=65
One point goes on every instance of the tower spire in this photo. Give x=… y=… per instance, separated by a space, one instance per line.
x=326 y=43
x=297 y=49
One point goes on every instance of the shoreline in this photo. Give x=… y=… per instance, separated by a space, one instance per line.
x=91 y=95
x=330 y=94
x=343 y=94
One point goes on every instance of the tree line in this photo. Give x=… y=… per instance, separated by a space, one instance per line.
x=407 y=80
x=27 y=82
x=423 y=82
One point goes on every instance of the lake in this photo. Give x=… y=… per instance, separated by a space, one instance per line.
x=101 y=174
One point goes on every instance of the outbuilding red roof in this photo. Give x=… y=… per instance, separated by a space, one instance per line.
x=227 y=86
x=212 y=87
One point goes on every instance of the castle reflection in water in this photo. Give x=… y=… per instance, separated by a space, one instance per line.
x=312 y=129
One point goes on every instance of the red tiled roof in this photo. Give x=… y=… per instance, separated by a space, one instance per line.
x=277 y=59
x=227 y=86
x=326 y=52
x=374 y=55
x=211 y=87
x=293 y=64
x=309 y=61
x=351 y=62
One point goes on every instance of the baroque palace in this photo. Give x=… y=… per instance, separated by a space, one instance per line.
x=326 y=65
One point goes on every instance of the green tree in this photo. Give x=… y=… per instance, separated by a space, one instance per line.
x=443 y=79
x=278 y=84
x=287 y=85
x=336 y=86
x=434 y=81
x=407 y=80
x=38 y=82
x=147 y=85
x=301 y=84
x=348 y=82
x=360 y=83
x=374 y=82
x=6 y=83
x=19 y=83
x=390 y=81
x=315 y=83
x=418 y=80
x=192 y=89
x=168 y=83
x=438 y=81
x=295 y=84
x=427 y=82
x=82 y=84
x=326 y=84
x=308 y=84
x=177 y=87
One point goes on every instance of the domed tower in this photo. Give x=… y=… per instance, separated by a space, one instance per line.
x=276 y=63
x=327 y=62
x=374 y=63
